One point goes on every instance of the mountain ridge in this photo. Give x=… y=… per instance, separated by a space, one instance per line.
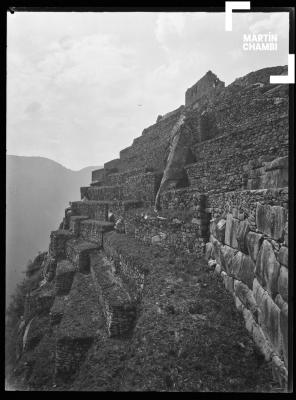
x=37 y=189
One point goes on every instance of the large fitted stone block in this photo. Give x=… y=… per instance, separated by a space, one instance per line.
x=276 y=175
x=231 y=231
x=228 y=282
x=278 y=163
x=220 y=230
x=284 y=331
x=213 y=227
x=243 y=229
x=245 y=295
x=258 y=291
x=283 y=256
x=276 y=178
x=239 y=305
x=286 y=234
x=269 y=320
x=254 y=241
x=283 y=283
x=236 y=264
x=279 y=301
x=228 y=254
x=247 y=272
x=216 y=249
x=243 y=268
x=271 y=220
x=261 y=342
x=249 y=319
x=267 y=268
x=209 y=251
x=279 y=371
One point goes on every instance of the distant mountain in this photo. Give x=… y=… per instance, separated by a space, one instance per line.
x=37 y=192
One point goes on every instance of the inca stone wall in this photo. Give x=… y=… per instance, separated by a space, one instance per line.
x=249 y=243
x=142 y=187
x=57 y=243
x=233 y=154
x=118 y=307
x=92 y=208
x=209 y=84
x=183 y=237
x=151 y=149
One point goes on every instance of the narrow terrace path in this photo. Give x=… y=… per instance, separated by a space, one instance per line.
x=189 y=337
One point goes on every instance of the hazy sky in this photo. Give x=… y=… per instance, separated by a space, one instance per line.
x=82 y=86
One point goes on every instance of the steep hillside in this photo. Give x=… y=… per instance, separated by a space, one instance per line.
x=38 y=189
x=171 y=273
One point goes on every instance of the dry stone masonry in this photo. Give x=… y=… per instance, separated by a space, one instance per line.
x=209 y=178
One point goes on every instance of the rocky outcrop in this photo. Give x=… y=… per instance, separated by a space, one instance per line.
x=180 y=154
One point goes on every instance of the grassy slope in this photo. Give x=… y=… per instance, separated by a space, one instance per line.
x=189 y=337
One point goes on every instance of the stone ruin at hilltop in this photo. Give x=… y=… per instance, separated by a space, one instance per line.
x=209 y=179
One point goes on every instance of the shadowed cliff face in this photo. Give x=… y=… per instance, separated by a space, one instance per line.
x=37 y=191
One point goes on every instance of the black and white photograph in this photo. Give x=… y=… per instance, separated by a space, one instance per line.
x=149 y=199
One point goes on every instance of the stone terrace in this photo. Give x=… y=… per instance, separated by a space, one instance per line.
x=225 y=200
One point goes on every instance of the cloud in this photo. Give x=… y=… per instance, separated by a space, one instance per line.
x=169 y=26
x=74 y=80
x=275 y=23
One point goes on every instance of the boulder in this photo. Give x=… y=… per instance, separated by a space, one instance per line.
x=179 y=154
x=253 y=241
x=271 y=220
x=267 y=268
x=231 y=231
